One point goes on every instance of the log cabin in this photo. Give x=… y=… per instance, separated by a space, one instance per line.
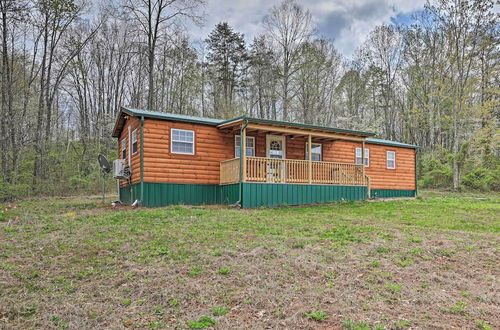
x=180 y=159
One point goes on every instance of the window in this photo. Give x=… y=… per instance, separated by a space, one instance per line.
x=359 y=155
x=316 y=151
x=134 y=142
x=124 y=148
x=182 y=141
x=391 y=159
x=250 y=146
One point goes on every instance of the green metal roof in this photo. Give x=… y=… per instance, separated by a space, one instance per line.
x=391 y=143
x=217 y=122
x=277 y=122
x=172 y=116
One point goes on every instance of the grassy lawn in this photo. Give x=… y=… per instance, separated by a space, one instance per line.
x=432 y=262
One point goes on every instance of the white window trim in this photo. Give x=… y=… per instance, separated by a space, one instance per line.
x=248 y=137
x=134 y=132
x=124 y=148
x=320 y=154
x=387 y=159
x=172 y=141
x=367 y=157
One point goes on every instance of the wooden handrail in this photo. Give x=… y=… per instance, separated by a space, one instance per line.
x=262 y=169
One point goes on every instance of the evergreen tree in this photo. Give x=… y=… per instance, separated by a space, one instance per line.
x=227 y=58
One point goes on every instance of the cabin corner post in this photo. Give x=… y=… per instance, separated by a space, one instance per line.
x=363 y=169
x=142 y=159
x=363 y=156
x=416 y=173
x=309 y=157
x=243 y=153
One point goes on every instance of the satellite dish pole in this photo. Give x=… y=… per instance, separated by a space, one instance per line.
x=105 y=169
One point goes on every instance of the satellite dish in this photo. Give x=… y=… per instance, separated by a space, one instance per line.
x=103 y=162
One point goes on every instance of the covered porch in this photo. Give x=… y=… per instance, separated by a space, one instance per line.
x=272 y=170
x=278 y=166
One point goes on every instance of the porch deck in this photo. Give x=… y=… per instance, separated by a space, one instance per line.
x=292 y=171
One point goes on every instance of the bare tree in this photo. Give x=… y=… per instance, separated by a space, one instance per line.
x=263 y=80
x=382 y=51
x=288 y=25
x=154 y=17
x=317 y=78
x=10 y=11
x=463 y=22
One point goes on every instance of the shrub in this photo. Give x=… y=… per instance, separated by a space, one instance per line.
x=435 y=173
x=482 y=179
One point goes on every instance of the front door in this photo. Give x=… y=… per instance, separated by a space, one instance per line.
x=276 y=149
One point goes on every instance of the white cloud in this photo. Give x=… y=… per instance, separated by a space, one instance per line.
x=347 y=22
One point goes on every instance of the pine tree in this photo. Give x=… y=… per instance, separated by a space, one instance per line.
x=227 y=58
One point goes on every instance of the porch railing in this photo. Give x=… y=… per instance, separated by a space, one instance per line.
x=260 y=169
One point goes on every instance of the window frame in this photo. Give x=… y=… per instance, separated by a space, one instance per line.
x=134 y=133
x=124 y=148
x=312 y=147
x=367 y=157
x=172 y=141
x=387 y=153
x=235 y=146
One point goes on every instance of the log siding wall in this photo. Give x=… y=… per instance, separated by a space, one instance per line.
x=402 y=177
x=161 y=165
x=213 y=146
x=134 y=123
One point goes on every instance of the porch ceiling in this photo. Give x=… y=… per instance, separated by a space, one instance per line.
x=291 y=129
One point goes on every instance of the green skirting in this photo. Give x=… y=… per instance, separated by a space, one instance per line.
x=254 y=194
x=277 y=194
x=391 y=193
x=163 y=194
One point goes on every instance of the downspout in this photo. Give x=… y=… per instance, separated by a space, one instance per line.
x=240 y=199
x=416 y=173
x=142 y=160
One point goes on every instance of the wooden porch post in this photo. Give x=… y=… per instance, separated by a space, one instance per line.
x=363 y=157
x=309 y=156
x=243 y=152
x=363 y=162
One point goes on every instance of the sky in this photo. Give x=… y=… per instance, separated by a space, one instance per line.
x=346 y=22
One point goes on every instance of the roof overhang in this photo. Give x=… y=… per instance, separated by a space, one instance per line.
x=295 y=129
x=392 y=143
x=280 y=127
x=120 y=122
x=125 y=111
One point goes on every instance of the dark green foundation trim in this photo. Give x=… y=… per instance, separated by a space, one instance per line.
x=389 y=193
x=276 y=194
x=229 y=194
x=163 y=194
x=129 y=194
x=253 y=194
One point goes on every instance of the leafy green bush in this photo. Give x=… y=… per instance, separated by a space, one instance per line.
x=482 y=179
x=68 y=170
x=436 y=173
x=477 y=173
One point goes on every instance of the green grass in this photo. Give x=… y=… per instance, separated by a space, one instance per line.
x=317 y=316
x=220 y=310
x=72 y=262
x=202 y=322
